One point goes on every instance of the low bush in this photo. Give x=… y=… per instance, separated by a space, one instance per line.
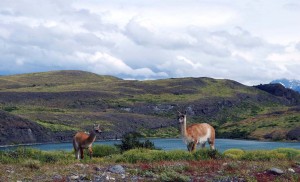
x=290 y=153
x=104 y=150
x=146 y=155
x=234 y=153
x=178 y=155
x=132 y=141
x=205 y=154
x=173 y=176
x=137 y=155
x=32 y=164
x=22 y=154
x=263 y=155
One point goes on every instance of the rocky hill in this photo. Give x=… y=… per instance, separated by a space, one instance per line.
x=63 y=102
x=16 y=130
x=280 y=91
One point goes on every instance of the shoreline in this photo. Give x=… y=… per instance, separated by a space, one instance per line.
x=238 y=139
x=45 y=143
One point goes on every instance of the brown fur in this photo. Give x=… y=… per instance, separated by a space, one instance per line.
x=194 y=131
x=83 y=141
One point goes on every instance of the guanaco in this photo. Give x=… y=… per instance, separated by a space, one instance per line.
x=82 y=141
x=194 y=134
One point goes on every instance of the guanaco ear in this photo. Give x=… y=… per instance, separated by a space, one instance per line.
x=179 y=112
x=185 y=112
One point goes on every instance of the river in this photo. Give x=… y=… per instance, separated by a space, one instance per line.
x=176 y=143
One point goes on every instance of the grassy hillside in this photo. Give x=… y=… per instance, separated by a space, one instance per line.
x=51 y=81
x=63 y=102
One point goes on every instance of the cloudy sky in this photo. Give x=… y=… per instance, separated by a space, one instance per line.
x=250 y=41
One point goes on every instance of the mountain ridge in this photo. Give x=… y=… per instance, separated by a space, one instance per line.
x=291 y=84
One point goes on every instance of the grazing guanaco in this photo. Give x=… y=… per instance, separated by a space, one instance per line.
x=83 y=141
x=196 y=133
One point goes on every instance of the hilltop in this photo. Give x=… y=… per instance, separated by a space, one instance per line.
x=63 y=102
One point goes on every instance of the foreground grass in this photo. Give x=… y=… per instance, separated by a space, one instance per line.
x=28 y=164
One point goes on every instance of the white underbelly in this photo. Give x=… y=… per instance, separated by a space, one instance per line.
x=203 y=139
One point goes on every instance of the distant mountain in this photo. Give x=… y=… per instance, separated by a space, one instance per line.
x=292 y=84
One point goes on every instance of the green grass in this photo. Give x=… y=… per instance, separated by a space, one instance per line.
x=104 y=150
x=166 y=132
x=56 y=127
x=35 y=158
x=150 y=165
x=24 y=155
x=146 y=155
x=53 y=82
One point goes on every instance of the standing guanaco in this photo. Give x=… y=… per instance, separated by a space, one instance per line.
x=196 y=133
x=83 y=141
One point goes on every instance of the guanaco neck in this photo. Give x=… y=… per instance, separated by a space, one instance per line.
x=183 y=128
x=91 y=137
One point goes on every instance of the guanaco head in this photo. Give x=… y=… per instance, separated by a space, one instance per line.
x=97 y=128
x=181 y=117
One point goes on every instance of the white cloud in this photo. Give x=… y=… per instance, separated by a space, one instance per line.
x=103 y=63
x=20 y=62
x=252 y=42
x=144 y=33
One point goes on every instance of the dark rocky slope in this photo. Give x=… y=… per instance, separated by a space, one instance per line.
x=16 y=130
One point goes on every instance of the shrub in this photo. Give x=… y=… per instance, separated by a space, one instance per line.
x=291 y=154
x=50 y=157
x=10 y=108
x=234 y=153
x=204 y=154
x=146 y=155
x=32 y=164
x=23 y=153
x=5 y=158
x=137 y=155
x=131 y=141
x=20 y=153
x=173 y=176
x=262 y=155
x=104 y=150
x=178 y=155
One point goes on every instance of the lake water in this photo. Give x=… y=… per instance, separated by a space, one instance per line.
x=176 y=143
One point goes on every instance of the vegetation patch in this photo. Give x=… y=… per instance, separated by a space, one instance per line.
x=146 y=155
x=151 y=165
x=104 y=150
x=26 y=155
x=165 y=132
x=132 y=141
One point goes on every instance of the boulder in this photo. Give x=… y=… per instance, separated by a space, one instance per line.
x=275 y=171
x=117 y=169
